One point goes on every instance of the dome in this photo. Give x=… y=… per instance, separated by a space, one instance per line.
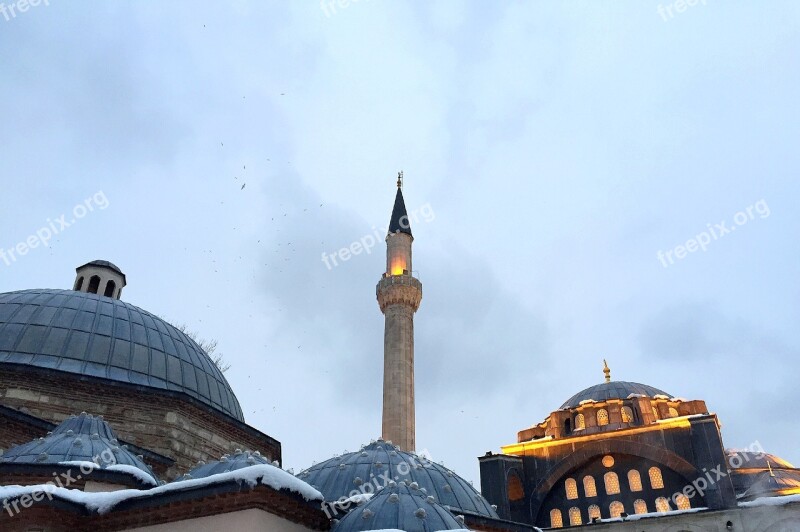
x=83 y=438
x=399 y=507
x=753 y=460
x=238 y=460
x=381 y=461
x=103 y=264
x=87 y=334
x=612 y=390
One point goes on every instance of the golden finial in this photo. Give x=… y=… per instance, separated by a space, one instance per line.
x=400 y=179
x=606 y=370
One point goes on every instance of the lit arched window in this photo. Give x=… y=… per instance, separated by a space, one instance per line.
x=616 y=508
x=555 y=518
x=572 y=488
x=655 y=412
x=580 y=422
x=639 y=506
x=94 y=284
x=516 y=491
x=634 y=480
x=612 y=483
x=602 y=417
x=589 y=487
x=575 y=517
x=627 y=414
x=673 y=412
x=656 y=480
x=662 y=504
x=594 y=512
x=682 y=502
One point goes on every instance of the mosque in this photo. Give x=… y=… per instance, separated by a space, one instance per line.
x=113 y=419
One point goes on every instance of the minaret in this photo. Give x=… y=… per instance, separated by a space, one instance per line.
x=399 y=296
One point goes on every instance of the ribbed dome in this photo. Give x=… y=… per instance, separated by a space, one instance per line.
x=238 y=460
x=87 y=334
x=612 y=390
x=399 y=507
x=83 y=438
x=339 y=476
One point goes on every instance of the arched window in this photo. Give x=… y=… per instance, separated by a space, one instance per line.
x=94 y=284
x=111 y=287
x=79 y=284
x=567 y=428
x=673 y=412
x=602 y=417
x=515 y=489
x=572 y=489
x=634 y=480
x=682 y=502
x=655 y=412
x=555 y=518
x=627 y=414
x=616 y=508
x=612 y=483
x=589 y=487
x=575 y=517
x=594 y=512
x=639 y=506
x=662 y=504
x=656 y=480
x=580 y=422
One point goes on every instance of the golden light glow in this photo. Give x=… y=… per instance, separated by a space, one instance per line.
x=398 y=265
x=519 y=449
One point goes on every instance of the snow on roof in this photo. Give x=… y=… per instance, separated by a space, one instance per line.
x=587 y=401
x=135 y=472
x=104 y=502
x=661 y=396
x=636 y=517
x=771 y=501
x=679 y=400
x=631 y=396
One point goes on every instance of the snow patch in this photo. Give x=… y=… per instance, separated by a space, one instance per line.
x=771 y=501
x=135 y=472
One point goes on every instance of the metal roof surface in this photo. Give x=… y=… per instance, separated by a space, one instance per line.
x=94 y=335
x=612 y=390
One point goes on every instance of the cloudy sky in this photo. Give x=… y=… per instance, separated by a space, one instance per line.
x=551 y=150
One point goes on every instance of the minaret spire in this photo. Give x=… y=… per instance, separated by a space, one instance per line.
x=399 y=295
x=606 y=370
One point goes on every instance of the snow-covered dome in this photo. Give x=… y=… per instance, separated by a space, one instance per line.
x=611 y=390
x=379 y=462
x=400 y=507
x=81 y=440
x=229 y=462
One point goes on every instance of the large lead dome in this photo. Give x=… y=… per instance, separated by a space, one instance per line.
x=612 y=390
x=87 y=334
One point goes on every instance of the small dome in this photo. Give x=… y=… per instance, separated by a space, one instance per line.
x=227 y=463
x=375 y=463
x=611 y=390
x=83 y=438
x=399 y=507
x=87 y=334
x=753 y=460
x=103 y=264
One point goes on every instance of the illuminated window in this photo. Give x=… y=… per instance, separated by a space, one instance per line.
x=627 y=414
x=594 y=512
x=612 y=483
x=616 y=508
x=555 y=518
x=673 y=412
x=662 y=504
x=655 y=412
x=639 y=506
x=682 y=502
x=589 y=486
x=572 y=488
x=580 y=422
x=656 y=480
x=608 y=460
x=634 y=480
x=516 y=491
x=602 y=417
x=575 y=517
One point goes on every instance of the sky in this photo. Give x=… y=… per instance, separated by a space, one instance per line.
x=587 y=180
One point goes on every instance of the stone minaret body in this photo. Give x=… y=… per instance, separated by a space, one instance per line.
x=399 y=296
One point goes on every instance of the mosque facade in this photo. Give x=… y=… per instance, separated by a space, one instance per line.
x=113 y=419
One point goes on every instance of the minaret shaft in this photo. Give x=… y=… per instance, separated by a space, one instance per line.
x=399 y=295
